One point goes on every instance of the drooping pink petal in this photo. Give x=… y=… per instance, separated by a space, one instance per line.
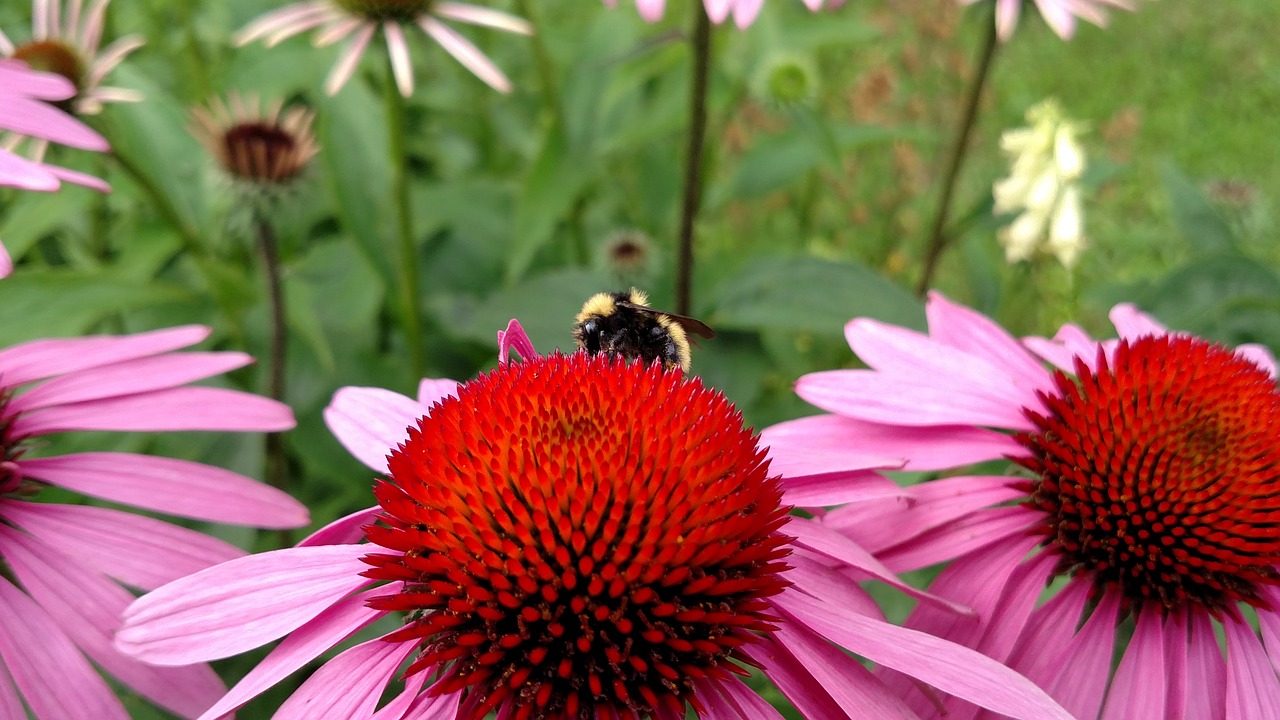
x=35 y=118
x=90 y=615
x=839 y=488
x=817 y=577
x=466 y=53
x=951 y=668
x=1259 y=355
x=965 y=535
x=295 y=18
x=745 y=12
x=131 y=376
x=1006 y=18
x=1253 y=692
x=169 y=485
x=17 y=78
x=1015 y=608
x=10 y=703
x=1051 y=626
x=19 y=172
x=427 y=706
x=239 y=605
x=349 y=685
x=1176 y=640
x=174 y=409
x=350 y=57
x=78 y=178
x=483 y=17
x=828 y=443
x=333 y=625
x=370 y=422
x=1206 y=670
x=398 y=49
x=1079 y=679
x=1138 y=689
x=400 y=704
x=1131 y=323
x=432 y=391
x=934 y=504
x=44 y=664
x=136 y=550
x=346 y=530
x=966 y=329
x=6 y=262
x=732 y=700
x=24 y=363
x=110 y=57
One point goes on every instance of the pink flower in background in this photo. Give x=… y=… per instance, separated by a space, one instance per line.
x=360 y=19
x=24 y=95
x=65 y=40
x=1059 y=14
x=744 y=12
x=66 y=567
x=1144 y=483
x=566 y=536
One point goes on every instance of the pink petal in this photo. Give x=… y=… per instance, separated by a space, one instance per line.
x=293 y=17
x=45 y=665
x=484 y=17
x=1138 y=689
x=1015 y=608
x=514 y=338
x=1259 y=355
x=409 y=694
x=348 y=60
x=239 y=605
x=1253 y=692
x=1131 y=323
x=17 y=78
x=174 y=409
x=1175 y=655
x=371 y=422
x=1078 y=678
x=829 y=443
x=650 y=10
x=966 y=329
x=469 y=55
x=37 y=119
x=1006 y=18
x=398 y=50
x=732 y=700
x=346 y=530
x=333 y=625
x=432 y=391
x=1050 y=627
x=24 y=363
x=349 y=685
x=839 y=488
x=136 y=550
x=169 y=485
x=433 y=707
x=934 y=504
x=745 y=12
x=816 y=576
x=131 y=376
x=78 y=178
x=10 y=703
x=6 y=262
x=90 y=615
x=964 y=535
x=21 y=173
x=1206 y=671
x=908 y=400
x=951 y=668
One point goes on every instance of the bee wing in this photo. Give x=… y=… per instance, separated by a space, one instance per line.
x=692 y=325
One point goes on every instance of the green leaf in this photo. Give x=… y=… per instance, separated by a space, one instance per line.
x=1224 y=296
x=812 y=295
x=34 y=215
x=775 y=161
x=1194 y=215
x=556 y=179
x=59 y=303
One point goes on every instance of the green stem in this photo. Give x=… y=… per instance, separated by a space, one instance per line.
x=407 y=267
x=277 y=459
x=699 y=72
x=542 y=60
x=938 y=237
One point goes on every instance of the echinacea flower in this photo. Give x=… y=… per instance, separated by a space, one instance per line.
x=1059 y=14
x=1043 y=186
x=66 y=567
x=66 y=41
x=563 y=537
x=263 y=149
x=1144 y=486
x=360 y=19
x=744 y=12
x=24 y=95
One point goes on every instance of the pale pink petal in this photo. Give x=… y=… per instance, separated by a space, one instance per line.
x=334 y=30
x=17 y=78
x=131 y=376
x=333 y=625
x=966 y=329
x=91 y=33
x=41 y=27
x=45 y=665
x=349 y=685
x=89 y=616
x=346 y=530
x=650 y=10
x=169 y=485
x=1006 y=17
x=371 y=422
x=398 y=49
x=911 y=401
x=24 y=363
x=482 y=16
x=136 y=550
x=732 y=700
x=348 y=60
x=514 y=338
x=181 y=408
x=464 y=52
x=6 y=262
x=935 y=504
x=1078 y=679
x=828 y=444
x=19 y=172
x=38 y=119
x=964 y=535
x=1138 y=689
x=1253 y=692
x=717 y=10
x=1131 y=323
x=295 y=17
x=111 y=56
x=239 y=605
x=1259 y=355
x=78 y=178
x=1058 y=17
x=745 y=12
x=816 y=575
x=839 y=488
x=1206 y=671
x=431 y=391
x=102 y=95
x=946 y=666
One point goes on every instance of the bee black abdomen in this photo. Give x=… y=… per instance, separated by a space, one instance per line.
x=621 y=324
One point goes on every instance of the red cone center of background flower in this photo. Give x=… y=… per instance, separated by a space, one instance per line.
x=393 y=10
x=55 y=57
x=1160 y=473
x=579 y=537
x=261 y=151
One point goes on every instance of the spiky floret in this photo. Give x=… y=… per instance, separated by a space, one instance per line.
x=578 y=535
x=1159 y=473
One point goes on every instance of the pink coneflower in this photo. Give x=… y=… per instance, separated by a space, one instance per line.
x=1145 y=484
x=66 y=43
x=1059 y=14
x=24 y=94
x=563 y=537
x=66 y=566
x=360 y=19
x=744 y=12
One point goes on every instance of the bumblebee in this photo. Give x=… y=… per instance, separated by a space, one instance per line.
x=622 y=323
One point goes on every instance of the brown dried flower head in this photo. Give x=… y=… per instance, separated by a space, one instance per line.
x=262 y=147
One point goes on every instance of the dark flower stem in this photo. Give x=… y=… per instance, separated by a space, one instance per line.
x=701 y=44
x=407 y=267
x=277 y=460
x=938 y=237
